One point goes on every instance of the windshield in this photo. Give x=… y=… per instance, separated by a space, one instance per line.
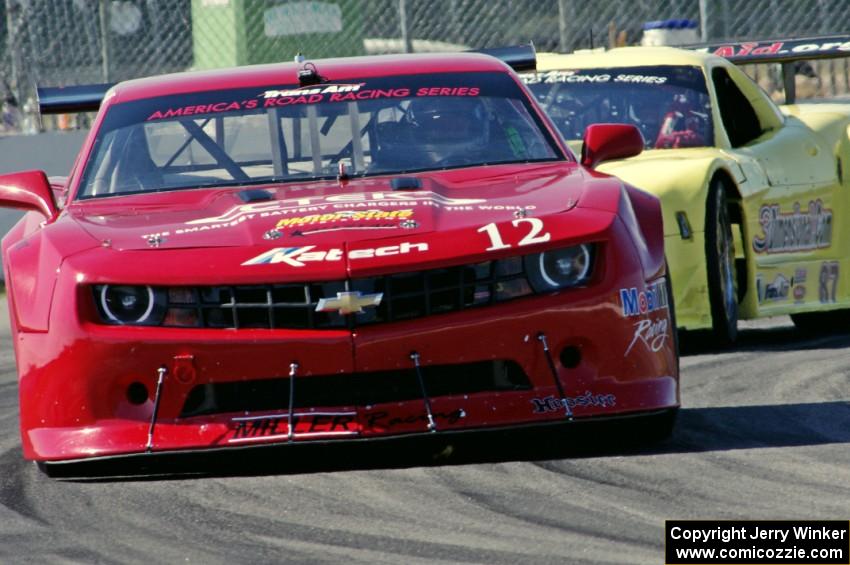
x=670 y=105
x=277 y=133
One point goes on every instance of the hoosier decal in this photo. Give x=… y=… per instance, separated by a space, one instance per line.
x=798 y=230
x=636 y=302
x=552 y=404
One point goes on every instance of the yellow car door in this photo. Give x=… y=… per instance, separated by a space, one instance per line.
x=790 y=228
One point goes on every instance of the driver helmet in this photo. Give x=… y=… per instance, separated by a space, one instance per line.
x=447 y=128
x=683 y=124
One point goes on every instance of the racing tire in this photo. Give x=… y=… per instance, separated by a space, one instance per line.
x=720 y=262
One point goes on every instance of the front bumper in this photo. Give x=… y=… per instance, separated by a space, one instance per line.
x=81 y=383
x=688 y=275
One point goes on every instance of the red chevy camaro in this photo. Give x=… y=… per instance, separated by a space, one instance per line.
x=342 y=249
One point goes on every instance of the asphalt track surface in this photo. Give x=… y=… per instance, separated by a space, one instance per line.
x=763 y=433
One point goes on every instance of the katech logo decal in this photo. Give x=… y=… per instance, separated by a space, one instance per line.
x=794 y=231
x=297 y=256
x=636 y=302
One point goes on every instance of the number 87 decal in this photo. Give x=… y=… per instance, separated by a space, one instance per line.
x=828 y=281
x=535 y=234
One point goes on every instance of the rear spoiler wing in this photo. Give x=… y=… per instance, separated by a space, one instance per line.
x=519 y=57
x=70 y=99
x=783 y=51
x=87 y=98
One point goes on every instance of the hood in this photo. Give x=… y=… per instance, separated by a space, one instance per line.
x=329 y=212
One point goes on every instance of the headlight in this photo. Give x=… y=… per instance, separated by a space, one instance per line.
x=559 y=268
x=130 y=305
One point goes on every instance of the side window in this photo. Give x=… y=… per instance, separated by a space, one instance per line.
x=739 y=117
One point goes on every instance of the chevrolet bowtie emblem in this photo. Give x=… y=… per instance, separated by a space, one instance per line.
x=348 y=302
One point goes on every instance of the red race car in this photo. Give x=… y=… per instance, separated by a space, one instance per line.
x=343 y=249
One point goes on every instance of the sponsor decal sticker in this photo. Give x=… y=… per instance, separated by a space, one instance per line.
x=315 y=204
x=354 y=92
x=383 y=419
x=797 y=230
x=798 y=284
x=651 y=333
x=297 y=256
x=776 y=291
x=755 y=49
x=635 y=303
x=828 y=281
x=552 y=404
x=346 y=219
x=552 y=77
x=305 y=424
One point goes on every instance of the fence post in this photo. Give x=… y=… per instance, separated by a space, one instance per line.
x=402 y=20
x=562 y=25
x=103 y=17
x=14 y=49
x=703 y=21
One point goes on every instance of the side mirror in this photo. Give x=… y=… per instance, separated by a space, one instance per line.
x=28 y=190
x=603 y=142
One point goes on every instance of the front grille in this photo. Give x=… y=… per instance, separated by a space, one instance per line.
x=357 y=389
x=406 y=296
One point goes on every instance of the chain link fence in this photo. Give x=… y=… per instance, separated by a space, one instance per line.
x=64 y=42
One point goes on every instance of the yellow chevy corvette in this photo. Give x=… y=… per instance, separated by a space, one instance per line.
x=754 y=195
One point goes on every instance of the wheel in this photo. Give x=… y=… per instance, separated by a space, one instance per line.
x=720 y=261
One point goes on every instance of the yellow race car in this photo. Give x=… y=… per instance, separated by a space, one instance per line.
x=750 y=190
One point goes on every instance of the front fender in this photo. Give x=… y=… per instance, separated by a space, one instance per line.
x=33 y=254
x=679 y=177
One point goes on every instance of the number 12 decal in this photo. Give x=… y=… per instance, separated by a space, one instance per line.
x=535 y=234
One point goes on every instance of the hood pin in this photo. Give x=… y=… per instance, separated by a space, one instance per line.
x=155 y=240
x=521 y=213
x=272 y=234
x=408 y=224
